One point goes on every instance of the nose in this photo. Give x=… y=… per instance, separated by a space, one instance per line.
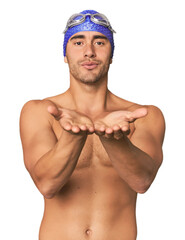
x=89 y=51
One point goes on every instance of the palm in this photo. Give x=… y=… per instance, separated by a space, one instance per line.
x=110 y=119
x=117 y=121
x=72 y=121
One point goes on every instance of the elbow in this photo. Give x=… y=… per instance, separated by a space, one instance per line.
x=144 y=183
x=142 y=186
x=45 y=186
x=46 y=191
x=49 y=188
x=48 y=195
x=142 y=189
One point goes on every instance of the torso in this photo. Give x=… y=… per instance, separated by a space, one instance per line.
x=95 y=203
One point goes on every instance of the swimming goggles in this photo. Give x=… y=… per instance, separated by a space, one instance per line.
x=97 y=18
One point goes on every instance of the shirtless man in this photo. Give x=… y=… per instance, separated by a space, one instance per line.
x=88 y=151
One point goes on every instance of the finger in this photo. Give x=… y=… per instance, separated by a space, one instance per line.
x=125 y=128
x=138 y=113
x=109 y=135
x=99 y=133
x=109 y=130
x=67 y=126
x=118 y=134
x=99 y=129
x=91 y=129
x=54 y=111
x=83 y=127
x=75 y=129
x=116 y=128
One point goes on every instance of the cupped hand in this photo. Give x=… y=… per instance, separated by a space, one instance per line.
x=117 y=123
x=71 y=120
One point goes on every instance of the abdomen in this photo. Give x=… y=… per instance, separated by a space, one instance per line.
x=95 y=203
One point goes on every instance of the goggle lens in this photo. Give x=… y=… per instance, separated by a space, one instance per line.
x=99 y=18
x=79 y=18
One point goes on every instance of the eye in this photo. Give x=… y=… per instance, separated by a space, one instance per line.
x=78 y=43
x=99 y=43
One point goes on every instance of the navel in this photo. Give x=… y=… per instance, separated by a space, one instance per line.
x=88 y=232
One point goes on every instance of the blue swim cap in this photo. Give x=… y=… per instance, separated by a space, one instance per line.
x=88 y=25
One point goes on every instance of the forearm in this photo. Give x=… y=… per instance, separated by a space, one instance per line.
x=133 y=165
x=54 y=168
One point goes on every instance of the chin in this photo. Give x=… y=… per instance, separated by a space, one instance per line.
x=89 y=81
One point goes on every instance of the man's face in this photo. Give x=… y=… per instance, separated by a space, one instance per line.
x=89 y=56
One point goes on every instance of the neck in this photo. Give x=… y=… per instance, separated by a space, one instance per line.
x=90 y=99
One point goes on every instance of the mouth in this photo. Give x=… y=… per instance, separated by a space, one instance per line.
x=89 y=65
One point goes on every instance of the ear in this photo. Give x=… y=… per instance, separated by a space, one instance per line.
x=65 y=59
x=110 y=60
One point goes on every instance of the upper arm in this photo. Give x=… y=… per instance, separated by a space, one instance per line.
x=36 y=132
x=149 y=133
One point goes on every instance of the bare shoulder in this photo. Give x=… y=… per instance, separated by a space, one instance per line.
x=36 y=106
x=154 y=111
x=34 y=112
x=153 y=123
x=154 y=115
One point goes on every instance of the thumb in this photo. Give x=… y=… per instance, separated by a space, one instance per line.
x=138 y=113
x=54 y=111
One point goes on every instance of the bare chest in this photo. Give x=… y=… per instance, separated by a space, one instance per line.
x=93 y=153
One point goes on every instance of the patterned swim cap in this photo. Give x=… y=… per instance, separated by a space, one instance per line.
x=88 y=25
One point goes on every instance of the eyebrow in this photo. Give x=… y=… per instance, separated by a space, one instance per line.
x=100 y=37
x=94 y=37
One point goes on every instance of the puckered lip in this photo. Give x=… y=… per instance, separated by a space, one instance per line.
x=89 y=63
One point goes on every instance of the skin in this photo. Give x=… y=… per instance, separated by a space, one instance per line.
x=90 y=152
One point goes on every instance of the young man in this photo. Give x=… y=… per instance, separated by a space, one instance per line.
x=88 y=151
